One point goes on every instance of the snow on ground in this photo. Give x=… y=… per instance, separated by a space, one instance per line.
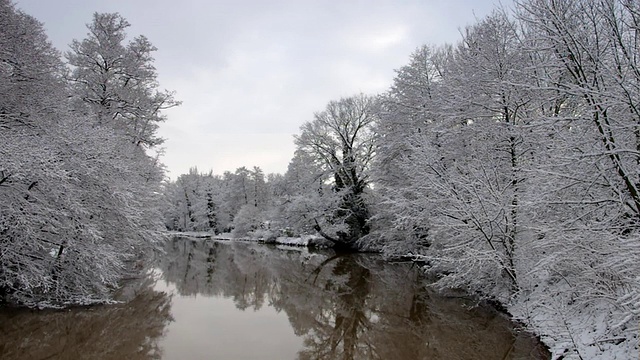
x=192 y=234
x=292 y=241
x=223 y=236
x=574 y=330
x=304 y=240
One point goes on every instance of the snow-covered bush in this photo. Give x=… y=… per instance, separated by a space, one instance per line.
x=248 y=219
x=517 y=150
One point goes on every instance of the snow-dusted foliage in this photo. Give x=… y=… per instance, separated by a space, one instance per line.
x=307 y=197
x=118 y=82
x=206 y=202
x=510 y=163
x=248 y=219
x=78 y=201
x=192 y=202
x=339 y=144
x=586 y=190
x=451 y=154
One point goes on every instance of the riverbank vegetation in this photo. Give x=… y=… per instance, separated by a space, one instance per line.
x=507 y=161
x=79 y=192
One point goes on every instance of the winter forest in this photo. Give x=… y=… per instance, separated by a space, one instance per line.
x=507 y=164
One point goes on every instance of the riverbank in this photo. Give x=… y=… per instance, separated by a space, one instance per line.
x=311 y=241
x=570 y=327
x=574 y=330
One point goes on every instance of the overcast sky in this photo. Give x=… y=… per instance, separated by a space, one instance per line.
x=249 y=73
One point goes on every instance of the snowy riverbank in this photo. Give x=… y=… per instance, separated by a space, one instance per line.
x=304 y=240
x=571 y=328
x=574 y=330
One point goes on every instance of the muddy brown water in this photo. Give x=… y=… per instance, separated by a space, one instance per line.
x=228 y=300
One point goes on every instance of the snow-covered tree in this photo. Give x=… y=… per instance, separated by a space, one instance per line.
x=192 y=202
x=585 y=186
x=450 y=154
x=305 y=197
x=204 y=202
x=118 y=82
x=408 y=109
x=248 y=219
x=510 y=160
x=341 y=142
x=78 y=202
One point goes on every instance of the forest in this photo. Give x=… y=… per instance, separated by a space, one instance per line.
x=507 y=164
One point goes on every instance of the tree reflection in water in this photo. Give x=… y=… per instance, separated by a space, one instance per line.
x=354 y=306
x=342 y=329
x=123 y=331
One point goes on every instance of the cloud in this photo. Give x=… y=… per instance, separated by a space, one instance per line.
x=227 y=152
x=250 y=73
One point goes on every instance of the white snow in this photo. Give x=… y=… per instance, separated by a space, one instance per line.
x=574 y=330
x=193 y=234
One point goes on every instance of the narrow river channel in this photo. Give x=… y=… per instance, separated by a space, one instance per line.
x=233 y=300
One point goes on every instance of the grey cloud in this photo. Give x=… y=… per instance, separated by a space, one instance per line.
x=251 y=72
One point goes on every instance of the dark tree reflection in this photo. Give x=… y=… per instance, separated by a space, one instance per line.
x=342 y=327
x=122 y=331
x=346 y=307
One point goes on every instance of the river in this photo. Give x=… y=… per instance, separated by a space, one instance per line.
x=233 y=300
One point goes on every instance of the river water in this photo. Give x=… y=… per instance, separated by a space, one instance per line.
x=232 y=300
